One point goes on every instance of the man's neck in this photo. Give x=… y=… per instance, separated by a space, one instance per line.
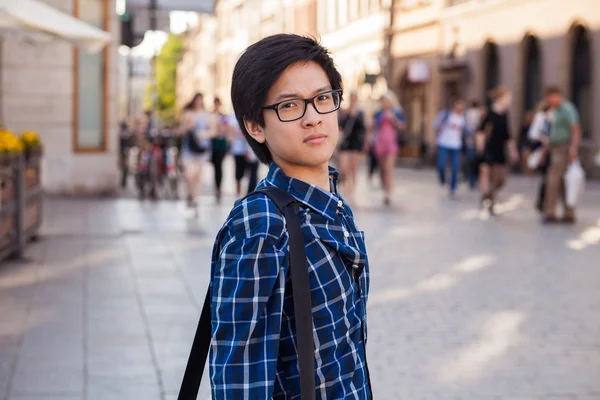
x=318 y=176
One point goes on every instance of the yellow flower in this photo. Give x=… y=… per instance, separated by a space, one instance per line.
x=30 y=139
x=9 y=143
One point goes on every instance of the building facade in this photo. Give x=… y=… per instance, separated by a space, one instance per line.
x=445 y=49
x=197 y=69
x=68 y=96
x=355 y=32
x=135 y=77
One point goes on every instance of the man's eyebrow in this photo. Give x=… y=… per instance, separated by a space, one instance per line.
x=297 y=96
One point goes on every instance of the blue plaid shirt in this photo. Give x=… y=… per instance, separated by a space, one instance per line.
x=253 y=351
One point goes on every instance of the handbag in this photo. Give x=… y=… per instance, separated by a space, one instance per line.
x=574 y=183
x=193 y=144
x=288 y=206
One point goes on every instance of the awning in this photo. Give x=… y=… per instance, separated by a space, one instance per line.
x=39 y=22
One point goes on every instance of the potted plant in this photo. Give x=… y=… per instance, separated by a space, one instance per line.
x=31 y=144
x=10 y=147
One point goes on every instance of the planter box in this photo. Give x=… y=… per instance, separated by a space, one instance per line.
x=20 y=201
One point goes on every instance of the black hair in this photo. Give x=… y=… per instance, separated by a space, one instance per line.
x=190 y=105
x=552 y=90
x=261 y=65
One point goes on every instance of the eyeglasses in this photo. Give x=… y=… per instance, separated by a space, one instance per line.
x=294 y=109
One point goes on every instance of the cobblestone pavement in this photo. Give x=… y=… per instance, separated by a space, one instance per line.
x=462 y=307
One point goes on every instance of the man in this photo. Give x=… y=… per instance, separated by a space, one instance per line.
x=563 y=145
x=285 y=93
x=451 y=128
x=473 y=116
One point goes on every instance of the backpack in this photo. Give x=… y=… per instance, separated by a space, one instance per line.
x=288 y=206
x=192 y=142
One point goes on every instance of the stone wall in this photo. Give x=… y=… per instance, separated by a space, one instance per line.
x=37 y=94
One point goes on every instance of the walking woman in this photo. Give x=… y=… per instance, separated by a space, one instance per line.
x=198 y=128
x=239 y=150
x=352 y=138
x=492 y=139
x=219 y=145
x=388 y=122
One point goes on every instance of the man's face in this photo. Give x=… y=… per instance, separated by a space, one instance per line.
x=459 y=107
x=386 y=103
x=308 y=142
x=554 y=100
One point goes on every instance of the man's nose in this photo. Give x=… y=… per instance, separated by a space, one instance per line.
x=311 y=116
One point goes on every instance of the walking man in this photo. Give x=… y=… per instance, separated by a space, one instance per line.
x=563 y=147
x=451 y=127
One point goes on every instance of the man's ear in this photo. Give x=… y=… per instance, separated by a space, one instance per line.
x=255 y=130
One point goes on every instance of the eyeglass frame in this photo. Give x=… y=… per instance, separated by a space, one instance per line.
x=275 y=107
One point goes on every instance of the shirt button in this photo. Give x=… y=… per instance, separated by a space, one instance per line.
x=346 y=234
x=340 y=204
x=355 y=266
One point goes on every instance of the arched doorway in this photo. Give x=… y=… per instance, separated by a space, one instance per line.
x=491 y=69
x=532 y=73
x=412 y=99
x=581 y=76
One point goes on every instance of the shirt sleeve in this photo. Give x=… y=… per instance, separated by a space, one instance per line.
x=572 y=114
x=247 y=301
x=400 y=115
x=437 y=123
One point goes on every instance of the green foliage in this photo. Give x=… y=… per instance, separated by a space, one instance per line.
x=166 y=78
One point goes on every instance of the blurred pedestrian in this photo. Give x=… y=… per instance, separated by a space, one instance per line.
x=239 y=150
x=538 y=139
x=525 y=143
x=563 y=146
x=451 y=128
x=388 y=125
x=493 y=138
x=199 y=129
x=252 y=169
x=219 y=145
x=352 y=141
x=473 y=114
x=124 y=147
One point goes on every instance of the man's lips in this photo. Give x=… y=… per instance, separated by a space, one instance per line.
x=315 y=139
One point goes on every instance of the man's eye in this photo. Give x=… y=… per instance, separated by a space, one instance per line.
x=288 y=104
x=324 y=97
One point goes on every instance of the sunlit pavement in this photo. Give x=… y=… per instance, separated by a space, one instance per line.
x=462 y=306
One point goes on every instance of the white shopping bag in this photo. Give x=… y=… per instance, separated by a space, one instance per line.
x=533 y=162
x=574 y=183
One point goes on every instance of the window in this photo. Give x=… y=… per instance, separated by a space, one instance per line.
x=90 y=83
x=581 y=77
x=532 y=73
x=491 y=68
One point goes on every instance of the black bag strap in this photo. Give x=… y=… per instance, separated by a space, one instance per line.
x=288 y=206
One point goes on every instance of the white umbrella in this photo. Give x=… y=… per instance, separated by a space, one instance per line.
x=38 y=22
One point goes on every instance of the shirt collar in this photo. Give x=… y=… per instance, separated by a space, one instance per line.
x=321 y=201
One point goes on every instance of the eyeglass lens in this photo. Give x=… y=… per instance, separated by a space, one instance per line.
x=294 y=108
